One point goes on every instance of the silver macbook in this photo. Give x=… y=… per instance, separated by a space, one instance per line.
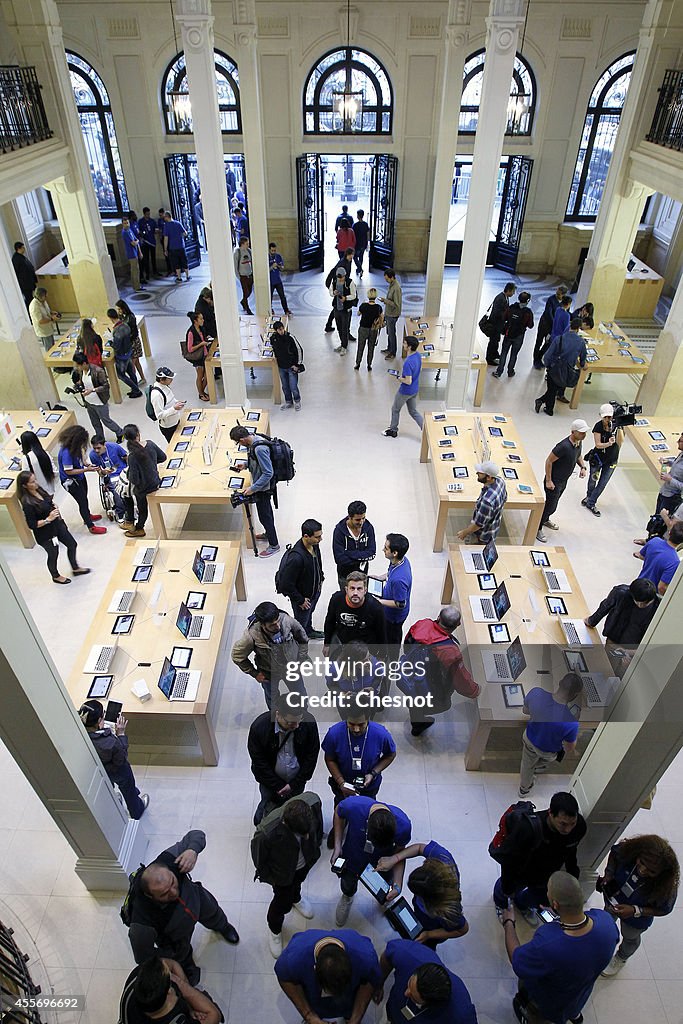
x=598 y=689
x=100 y=658
x=504 y=666
x=556 y=581
x=576 y=632
x=490 y=609
x=122 y=601
x=207 y=572
x=193 y=627
x=480 y=561
x=178 y=684
x=145 y=555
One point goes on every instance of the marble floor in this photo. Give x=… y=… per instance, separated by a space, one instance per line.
x=75 y=941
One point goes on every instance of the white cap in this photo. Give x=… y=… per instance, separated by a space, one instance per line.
x=488 y=467
x=579 y=427
x=606 y=409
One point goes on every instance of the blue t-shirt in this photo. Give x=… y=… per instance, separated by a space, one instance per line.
x=397 y=588
x=174 y=231
x=115 y=458
x=355 y=811
x=372 y=747
x=147 y=231
x=630 y=889
x=296 y=964
x=275 y=276
x=411 y=368
x=559 y=970
x=661 y=561
x=561 y=321
x=551 y=722
x=64 y=461
x=129 y=238
x=405 y=957
x=436 y=852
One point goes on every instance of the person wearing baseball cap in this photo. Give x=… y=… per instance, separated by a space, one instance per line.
x=559 y=466
x=488 y=509
x=166 y=407
x=344 y=298
x=602 y=460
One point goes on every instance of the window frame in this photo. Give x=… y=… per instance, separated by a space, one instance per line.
x=348 y=64
x=516 y=78
x=180 y=76
x=595 y=110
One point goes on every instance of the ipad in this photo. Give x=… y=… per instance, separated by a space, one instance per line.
x=236 y=483
x=166 y=482
x=238 y=465
x=181 y=657
x=43 y=431
x=427 y=348
x=450 y=431
x=500 y=419
x=195 y=600
x=539 y=558
x=556 y=605
x=438 y=416
x=375 y=587
x=525 y=489
x=509 y=444
x=509 y=473
x=487 y=581
x=142 y=573
x=100 y=686
x=208 y=552
x=659 y=447
x=495 y=432
x=192 y=418
x=423 y=326
x=250 y=430
x=174 y=463
x=575 y=661
x=657 y=435
x=642 y=423
x=395 y=373
x=6 y=482
x=445 y=442
x=123 y=624
x=187 y=431
x=182 y=446
x=460 y=472
x=54 y=417
x=513 y=694
x=253 y=416
x=514 y=458
x=498 y=632
x=448 y=456
x=15 y=465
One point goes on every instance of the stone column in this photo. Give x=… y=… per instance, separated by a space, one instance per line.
x=455 y=46
x=502 y=32
x=661 y=390
x=25 y=379
x=40 y=727
x=196 y=26
x=642 y=735
x=244 y=17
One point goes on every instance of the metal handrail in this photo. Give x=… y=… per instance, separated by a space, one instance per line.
x=667 y=123
x=22 y=115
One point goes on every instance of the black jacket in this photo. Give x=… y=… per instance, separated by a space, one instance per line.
x=301 y=573
x=529 y=864
x=166 y=929
x=26 y=274
x=37 y=510
x=343 y=262
x=280 y=851
x=285 y=350
x=366 y=624
x=142 y=467
x=113 y=749
x=263 y=744
x=499 y=309
x=625 y=623
x=209 y=313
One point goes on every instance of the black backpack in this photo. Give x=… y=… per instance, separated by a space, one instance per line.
x=282 y=458
x=505 y=840
x=149 y=408
x=126 y=911
x=517 y=320
x=286 y=560
x=267 y=825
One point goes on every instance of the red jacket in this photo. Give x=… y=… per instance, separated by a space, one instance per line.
x=428 y=632
x=346 y=239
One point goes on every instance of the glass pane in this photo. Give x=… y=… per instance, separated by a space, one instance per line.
x=598 y=165
x=85 y=97
x=571 y=203
x=88 y=72
x=228 y=121
x=330 y=76
x=616 y=94
x=228 y=66
x=614 y=69
x=473 y=79
x=96 y=145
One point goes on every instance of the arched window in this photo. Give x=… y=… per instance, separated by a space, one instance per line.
x=348 y=92
x=597 y=140
x=178 y=114
x=521 y=105
x=99 y=135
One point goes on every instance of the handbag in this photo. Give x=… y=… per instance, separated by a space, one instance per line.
x=561 y=373
x=485 y=323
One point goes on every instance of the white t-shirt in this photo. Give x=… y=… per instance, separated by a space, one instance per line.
x=166 y=415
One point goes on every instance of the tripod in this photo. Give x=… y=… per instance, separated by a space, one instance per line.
x=250 y=525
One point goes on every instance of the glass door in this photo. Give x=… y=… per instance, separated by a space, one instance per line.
x=183 y=195
x=383 y=211
x=460 y=194
x=310 y=175
x=512 y=210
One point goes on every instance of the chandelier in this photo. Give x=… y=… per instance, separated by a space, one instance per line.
x=348 y=103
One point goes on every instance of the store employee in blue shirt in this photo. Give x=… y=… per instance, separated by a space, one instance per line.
x=410 y=383
x=553 y=728
x=373 y=831
x=396 y=591
x=424 y=986
x=357 y=748
x=328 y=974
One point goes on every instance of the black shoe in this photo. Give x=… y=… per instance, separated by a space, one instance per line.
x=511 y=373
x=316 y=634
x=548 y=412
x=496 y=374
x=390 y=433
x=519 y=1010
x=119 y=438
x=248 y=311
x=418 y=728
x=561 y=398
x=493 y=362
x=135 y=394
x=577 y=1020
x=537 y=404
x=230 y=935
x=538 y=366
x=352 y=337
x=329 y=330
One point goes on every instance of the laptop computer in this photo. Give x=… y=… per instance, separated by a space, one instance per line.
x=576 y=632
x=207 y=572
x=193 y=627
x=100 y=658
x=556 y=581
x=178 y=684
x=122 y=601
x=480 y=561
x=490 y=609
x=146 y=555
x=504 y=666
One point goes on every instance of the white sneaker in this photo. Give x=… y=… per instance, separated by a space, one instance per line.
x=551 y=525
x=541 y=537
x=286 y=405
x=305 y=908
x=274 y=944
x=613 y=967
x=343 y=909
x=297 y=406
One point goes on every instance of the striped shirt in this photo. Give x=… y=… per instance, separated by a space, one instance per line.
x=488 y=510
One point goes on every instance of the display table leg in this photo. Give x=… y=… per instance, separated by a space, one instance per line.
x=207 y=739
x=576 y=393
x=479 y=389
x=240 y=582
x=447 y=588
x=441 y=520
x=157 y=516
x=19 y=520
x=533 y=525
x=277 y=389
x=424 y=448
x=53 y=384
x=142 y=326
x=114 y=383
x=476 y=748
x=210 y=380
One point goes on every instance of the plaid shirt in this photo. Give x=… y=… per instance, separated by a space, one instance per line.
x=488 y=510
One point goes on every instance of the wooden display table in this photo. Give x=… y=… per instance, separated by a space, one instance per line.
x=640 y=292
x=56 y=277
x=22 y=420
x=670 y=426
x=158 y=724
x=438 y=333
x=255 y=331
x=467 y=447
x=610 y=359
x=195 y=482
x=542 y=640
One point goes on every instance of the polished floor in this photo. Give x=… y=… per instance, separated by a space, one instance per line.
x=77 y=942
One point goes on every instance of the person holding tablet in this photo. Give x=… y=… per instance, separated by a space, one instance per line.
x=112 y=748
x=72 y=472
x=43 y=517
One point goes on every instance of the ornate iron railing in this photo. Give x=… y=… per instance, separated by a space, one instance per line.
x=667 y=124
x=22 y=114
x=17 y=991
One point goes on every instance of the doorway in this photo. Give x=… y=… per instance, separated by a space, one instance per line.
x=184 y=188
x=325 y=182
x=507 y=220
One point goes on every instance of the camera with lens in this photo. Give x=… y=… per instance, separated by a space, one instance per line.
x=625 y=413
x=238 y=499
x=78 y=385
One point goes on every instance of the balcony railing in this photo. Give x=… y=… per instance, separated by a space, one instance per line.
x=22 y=114
x=667 y=124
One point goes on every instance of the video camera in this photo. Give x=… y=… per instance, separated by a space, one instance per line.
x=78 y=385
x=625 y=413
x=238 y=499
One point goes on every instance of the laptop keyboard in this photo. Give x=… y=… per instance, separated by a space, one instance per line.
x=196 y=626
x=209 y=572
x=182 y=680
x=478 y=562
x=103 y=660
x=552 y=580
x=487 y=608
x=125 y=602
x=501 y=664
x=148 y=556
x=591 y=690
x=571 y=633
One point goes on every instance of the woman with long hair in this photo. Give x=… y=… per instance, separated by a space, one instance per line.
x=36 y=460
x=143 y=459
x=112 y=748
x=73 y=467
x=197 y=349
x=90 y=342
x=128 y=317
x=437 y=900
x=640 y=883
x=49 y=529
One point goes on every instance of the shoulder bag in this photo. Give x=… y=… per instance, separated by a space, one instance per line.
x=485 y=323
x=560 y=372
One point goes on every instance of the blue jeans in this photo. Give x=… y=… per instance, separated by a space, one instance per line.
x=524 y=898
x=390 y=321
x=271 y=689
x=302 y=615
x=290 y=385
x=126 y=372
x=411 y=402
x=598 y=478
